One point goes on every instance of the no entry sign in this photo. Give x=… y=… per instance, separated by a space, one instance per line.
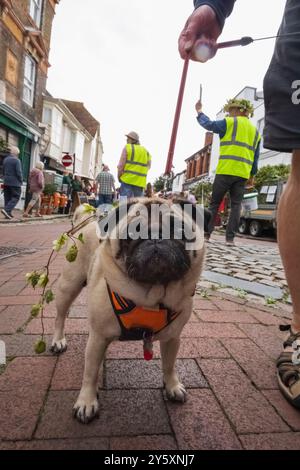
x=67 y=160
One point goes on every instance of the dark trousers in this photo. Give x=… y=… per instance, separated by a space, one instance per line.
x=236 y=188
x=12 y=195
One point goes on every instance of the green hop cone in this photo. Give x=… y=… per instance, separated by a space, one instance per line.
x=43 y=280
x=88 y=209
x=80 y=238
x=33 y=278
x=72 y=254
x=49 y=296
x=40 y=347
x=60 y=242
x=35 y=310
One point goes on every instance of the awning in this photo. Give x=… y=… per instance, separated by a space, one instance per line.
x=54 y=164
x=18 y=123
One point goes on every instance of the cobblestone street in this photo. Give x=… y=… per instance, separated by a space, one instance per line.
x=226 y=361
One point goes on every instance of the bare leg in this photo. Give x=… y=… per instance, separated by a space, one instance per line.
x=289 y=236
x=174 y=389
x=288 y=370
x=86 y=408
x=67 y=292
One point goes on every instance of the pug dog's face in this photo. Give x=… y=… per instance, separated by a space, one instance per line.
x=154 y=241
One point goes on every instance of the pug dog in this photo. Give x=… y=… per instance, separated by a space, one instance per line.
x=129 y=265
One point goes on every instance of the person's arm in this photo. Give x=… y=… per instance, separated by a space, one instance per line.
x=19 y=171
x=222 y=8
x=122 y=163
x=217 y=127
x=255 y=162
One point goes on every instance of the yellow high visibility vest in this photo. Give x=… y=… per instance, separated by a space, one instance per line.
x=136 y=168
x=237 y=147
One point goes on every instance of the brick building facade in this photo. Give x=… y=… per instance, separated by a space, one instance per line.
x=199 y=163
x=25 y=34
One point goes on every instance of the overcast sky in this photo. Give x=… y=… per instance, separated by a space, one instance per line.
x=120 y=58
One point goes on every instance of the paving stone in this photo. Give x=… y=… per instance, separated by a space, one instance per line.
x=58 y=444
x=70 y=366
x=139 y=374
x=225 y=317
x=211 y=330
x=265 y=318
x=22 y=390
x=197 y=348
x=199 y=304
x=222 y=270
x=266 y=337
x=72 y=326
x=151 y=443
x=245 y=277
x=259 y=368
x=19 y=300
x=289 y=414
x=246 y=407
x=200 y=424
x=270 y=283
x=12 y=288
x=23 y=345
x=11 y=321
x=122 y=412
x=281 y=441
x=78 y=312
x=226 y=305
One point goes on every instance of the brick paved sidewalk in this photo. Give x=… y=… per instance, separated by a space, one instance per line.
x=226 y=360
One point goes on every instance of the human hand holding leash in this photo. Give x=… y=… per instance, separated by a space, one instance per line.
x=199 y=36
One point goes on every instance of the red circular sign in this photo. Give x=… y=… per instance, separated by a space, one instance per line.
x=67 y=160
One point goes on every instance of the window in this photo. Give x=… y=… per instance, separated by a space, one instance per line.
x=47 y=116
x=57 y=124
x=29 y=80
x=36 y=11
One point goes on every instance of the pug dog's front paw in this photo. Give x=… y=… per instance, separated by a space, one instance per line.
x=86 y=410
x=59 y=346
x=176 y=392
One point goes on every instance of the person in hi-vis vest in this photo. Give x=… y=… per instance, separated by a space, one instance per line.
x=133 y=167
x=239 y=154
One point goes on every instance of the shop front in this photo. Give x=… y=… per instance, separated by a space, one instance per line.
x=16 y=131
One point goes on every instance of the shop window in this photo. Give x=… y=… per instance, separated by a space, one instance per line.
x=36 y=11
x=29 y=80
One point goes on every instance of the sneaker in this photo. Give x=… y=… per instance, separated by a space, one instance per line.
x=230 y=243
x=6 y=214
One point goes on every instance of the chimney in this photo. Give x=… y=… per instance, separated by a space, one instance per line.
x=208 y=138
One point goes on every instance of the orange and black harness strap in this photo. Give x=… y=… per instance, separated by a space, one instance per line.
x=139 y=323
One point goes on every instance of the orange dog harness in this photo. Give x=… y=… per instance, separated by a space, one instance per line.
x=139 y=323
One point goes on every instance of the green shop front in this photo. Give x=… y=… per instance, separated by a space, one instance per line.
x=20 y=132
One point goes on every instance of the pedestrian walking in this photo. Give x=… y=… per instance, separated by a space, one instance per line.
x=133 y=167
x=13 y=180
x=106 y=189
x=36 y=187
x=238 y=161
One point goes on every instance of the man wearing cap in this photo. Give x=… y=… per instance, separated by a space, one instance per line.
x=239 y=153
x=133 y=167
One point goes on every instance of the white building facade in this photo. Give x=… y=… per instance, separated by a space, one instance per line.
x=64 y=133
